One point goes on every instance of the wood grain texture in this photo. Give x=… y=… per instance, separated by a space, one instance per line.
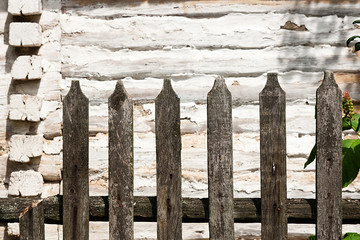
x=220 y=161
x=328 y=159
x=76 y=164
x=273 y=160
x=105 y=64
x=194 y=209
x=31 y=222
x=168 y=164
x=85 y=29
x=209 y=9
x=121 y=165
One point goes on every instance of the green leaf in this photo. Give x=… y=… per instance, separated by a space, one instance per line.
x=311 y=157
x=351 y=236
x=351 y=39
x=348 y=123
x=357 y=46
x=356 y=21
x=312 y=237
x=351 y=160
x=355 y=122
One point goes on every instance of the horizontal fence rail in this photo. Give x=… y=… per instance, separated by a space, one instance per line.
x=246 y=210
x=75 y=209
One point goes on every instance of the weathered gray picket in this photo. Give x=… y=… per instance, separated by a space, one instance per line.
x=76 y=164
x=169 y=209
x=31 y=222
x=121 y=165
x=220 y=161
x=328 y=159
x=168 y=164
x=273 y=160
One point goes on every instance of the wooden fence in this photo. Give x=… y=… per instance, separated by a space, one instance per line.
x=75 y=208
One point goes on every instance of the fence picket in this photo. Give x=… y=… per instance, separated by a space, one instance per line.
x=221 y=208
x=76 y=164
x=168 y=164
x=121 y=165
x=31 y=222
x=273 y=160
x=328 y=159
x=220 y=161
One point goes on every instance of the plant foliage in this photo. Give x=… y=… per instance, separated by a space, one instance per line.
x=357 y=45
x=347 y=236
x=350 y=147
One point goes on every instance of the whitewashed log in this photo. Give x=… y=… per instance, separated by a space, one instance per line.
x=25 y=107
x=194 y=87
x=101 y=64
x=50 y=167
x=51 y=52
x=48 y=88
x=53 y=147
x=24 y=7
x=205 y=9
x=50 y=189
x=25 y=183
x=32 y=108
x=13 y=229
x=48 y=107
x=24 y=147
x=36 y=68
x=3 y=166
x=149 y=32
x=17 y=107
x=25 y=34
x=51 y=127
x=21 y=67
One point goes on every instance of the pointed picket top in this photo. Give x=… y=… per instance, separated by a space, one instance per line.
x=119 y=96
x=167 y=90
x=220 y=161
x=76 y=164
x=273 y=160
x=328 y=82
x=75 y=90
x=272 y=80
x=272 y=84
x=168 y=164
x=329 y=78
x=328 y=159
x=121 y=165
x=219 y=86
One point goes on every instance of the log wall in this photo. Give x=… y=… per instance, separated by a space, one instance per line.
x=191 y=42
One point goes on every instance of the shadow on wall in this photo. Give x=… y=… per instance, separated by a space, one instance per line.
x=318 y=45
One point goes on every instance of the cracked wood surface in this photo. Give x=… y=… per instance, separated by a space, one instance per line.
x=194 y=209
